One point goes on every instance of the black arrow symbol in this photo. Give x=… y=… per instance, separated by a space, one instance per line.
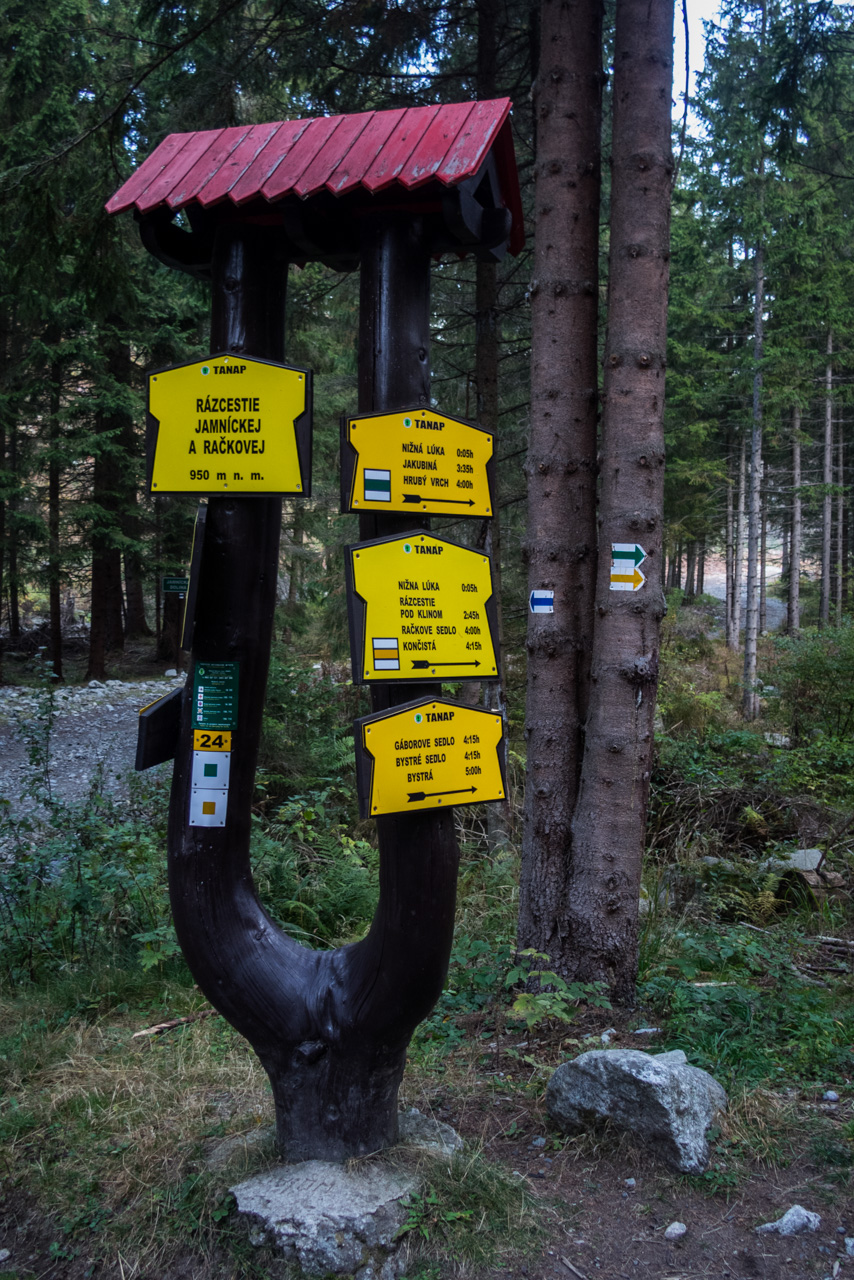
x=421 y=497
x=423 y=665
x=428 y=795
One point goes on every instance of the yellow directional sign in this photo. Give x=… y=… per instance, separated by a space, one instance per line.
x=428 y=754
x=420 y=608
x=416 y=460
x=229 y=425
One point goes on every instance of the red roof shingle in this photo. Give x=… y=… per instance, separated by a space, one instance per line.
x=374 y=150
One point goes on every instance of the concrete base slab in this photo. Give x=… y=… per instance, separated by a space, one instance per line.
x=330 y=1217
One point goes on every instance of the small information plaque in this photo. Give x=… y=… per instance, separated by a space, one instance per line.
x=215 y=695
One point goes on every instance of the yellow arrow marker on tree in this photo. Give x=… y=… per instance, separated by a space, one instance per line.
x=626 y=581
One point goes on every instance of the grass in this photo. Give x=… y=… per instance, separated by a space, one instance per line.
x=110 y=1135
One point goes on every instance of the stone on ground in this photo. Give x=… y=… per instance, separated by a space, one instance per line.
x=793 y=1222
x=417 y=1130
x=675 y=1231
x=330 y=1217
x=658 y=1097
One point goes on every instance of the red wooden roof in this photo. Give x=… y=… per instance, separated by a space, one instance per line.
x=373 y=150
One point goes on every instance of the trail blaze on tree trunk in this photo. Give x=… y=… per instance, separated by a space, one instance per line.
x=330 y=1028
x=561 y=466
x=610 y=814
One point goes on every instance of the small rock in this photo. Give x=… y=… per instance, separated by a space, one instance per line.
x=849 y=1246
x=607 y=1036
x=5 y=1254
x=538 y=1142
x=793 y=1222
x=418 y=1130
x=676 y=1231
x=170 y=674
x=95 y=684
x=831 y=1096
x=646 y=1031
x=630 y=1183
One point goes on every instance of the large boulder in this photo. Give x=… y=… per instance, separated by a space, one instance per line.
x=659 y=1097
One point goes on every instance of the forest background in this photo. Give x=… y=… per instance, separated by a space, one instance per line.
x=754 y=746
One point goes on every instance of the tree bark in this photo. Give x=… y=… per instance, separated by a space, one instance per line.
x=109 y=490
x=840 y=516
x=561 y=466
x=701 y=567
x=750 y=697
x=610 y=816
x=793 y=619
x=763 y=567
x=827 y=481
x=54 y=552
x=738 y=553
x=690 y=569
x=730 y=544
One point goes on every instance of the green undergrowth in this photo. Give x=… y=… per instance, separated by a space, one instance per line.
x=735 y=1000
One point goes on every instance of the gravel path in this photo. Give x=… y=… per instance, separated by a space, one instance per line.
x=95 y=726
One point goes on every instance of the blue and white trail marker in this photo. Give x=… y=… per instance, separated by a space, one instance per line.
x=542 y=602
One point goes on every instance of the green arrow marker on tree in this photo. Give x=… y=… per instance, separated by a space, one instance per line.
x=628 y=551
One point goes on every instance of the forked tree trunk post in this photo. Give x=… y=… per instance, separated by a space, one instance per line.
x=330 y=1028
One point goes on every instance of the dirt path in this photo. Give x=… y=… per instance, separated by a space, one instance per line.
x=94 y=732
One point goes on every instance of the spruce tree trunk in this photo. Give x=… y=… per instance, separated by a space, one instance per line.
x=54 y=552
x=13 y=534
x=793 y=619
x=561 y=465
x=840 y=519
x=730 y=544
x=763 y=569
x=827 y=481
x=690 y=569
x=738 y=552
x=610 y=816
x=701 y=567
x=750 y=697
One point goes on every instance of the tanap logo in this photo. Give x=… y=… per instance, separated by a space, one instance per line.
x=418 y=717
x=407 y=547
x=205 y=370
x=407 y=422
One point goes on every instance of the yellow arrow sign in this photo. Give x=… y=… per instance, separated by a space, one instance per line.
x=416 y=460
x=420 y=607
x=626 y=581
x=229 y=424
x=428 y=754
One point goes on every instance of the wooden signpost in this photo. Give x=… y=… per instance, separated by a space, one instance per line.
x=390 y=191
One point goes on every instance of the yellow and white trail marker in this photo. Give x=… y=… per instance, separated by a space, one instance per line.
x=210 y=777
x=229 y=425
x=429 y=754
x=625 y=559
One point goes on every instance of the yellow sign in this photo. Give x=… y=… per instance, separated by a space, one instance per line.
x=420 y=607
x=429 y=755
x=416 y=460
x=211 y=740
x=231 y=425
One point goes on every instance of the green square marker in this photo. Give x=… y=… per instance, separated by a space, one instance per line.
x=211 y=770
